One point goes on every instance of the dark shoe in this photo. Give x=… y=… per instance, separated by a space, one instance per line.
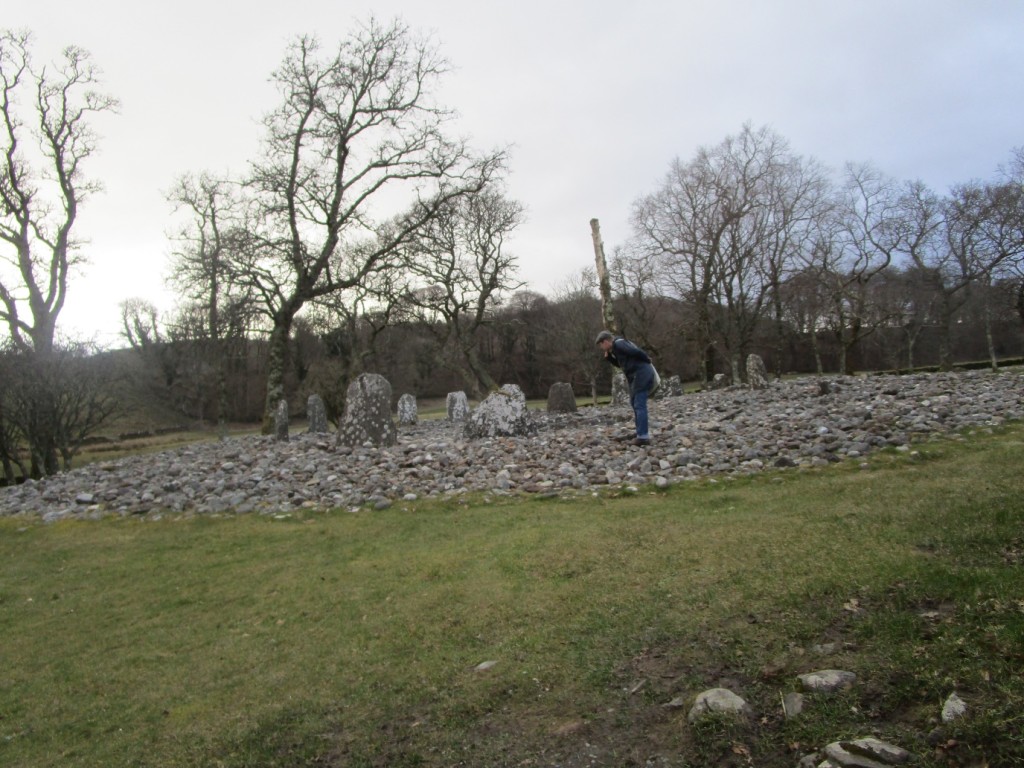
x=624 y=438
x=641 y=441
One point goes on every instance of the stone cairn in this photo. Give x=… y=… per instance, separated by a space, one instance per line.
x=458 y=406
x=408 y=415
x=757 y=374
x=502 y=413
x=367 y=417
x=281 y=420
x=561 y=398
x=317 y=414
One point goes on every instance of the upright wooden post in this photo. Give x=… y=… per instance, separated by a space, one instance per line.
x=603 y=281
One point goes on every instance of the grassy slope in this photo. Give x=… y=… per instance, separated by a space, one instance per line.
x=338 y=639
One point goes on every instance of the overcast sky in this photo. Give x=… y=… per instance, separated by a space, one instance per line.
x=594 y=98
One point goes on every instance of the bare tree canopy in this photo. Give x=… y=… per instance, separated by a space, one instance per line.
x=356 y=137
x=46 y=139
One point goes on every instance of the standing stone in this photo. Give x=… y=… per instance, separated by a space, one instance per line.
x=368 y=413
x=757 y=374
x=502 y=413
x=281 y=420
x=673 y=387
x=718 y=381
x=458 y=406
x=407 y=413
x=620 y=389
x=317 y=414
x=513 y=390
x=561 y=398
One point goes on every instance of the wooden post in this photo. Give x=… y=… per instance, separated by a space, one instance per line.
x=604 y=283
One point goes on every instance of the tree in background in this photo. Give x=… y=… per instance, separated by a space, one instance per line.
x=458 y=271
x=45 y=140
x=41 y=191
x=357 y=132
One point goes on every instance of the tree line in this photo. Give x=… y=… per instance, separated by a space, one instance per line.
x=365 y=237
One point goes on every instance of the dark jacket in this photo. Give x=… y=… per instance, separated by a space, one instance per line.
x=633 y=361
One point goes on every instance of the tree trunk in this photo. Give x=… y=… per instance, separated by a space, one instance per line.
x=604 y=282
x=277 y=365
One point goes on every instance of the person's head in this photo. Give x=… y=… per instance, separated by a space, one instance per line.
x=604 y=340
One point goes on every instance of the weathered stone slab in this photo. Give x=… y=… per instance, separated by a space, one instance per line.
x=408 y=414
x=502 y=413
x=757 y=374
x=281 y=420
x=620 y=389
x=561 y=398
x=458 y=406
x=316 y=413
x=367 y=417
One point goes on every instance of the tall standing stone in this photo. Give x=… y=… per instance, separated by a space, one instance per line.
x=757 y=374
x=561 y=398
x=620 y=389
x=317 y=414
x=368 y=413
x=408 y=415
x=458 y=406
x=281 y=420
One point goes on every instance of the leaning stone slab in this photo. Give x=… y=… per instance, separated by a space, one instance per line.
x=458 y=406
x=408 y=414
x=718 y=700
x=367 y=417
x=827 y=680
x=757 y=374
x=561 y=398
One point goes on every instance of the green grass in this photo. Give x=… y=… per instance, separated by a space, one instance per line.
x=345 y=639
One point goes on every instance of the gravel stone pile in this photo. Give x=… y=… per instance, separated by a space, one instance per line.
x=805 y=422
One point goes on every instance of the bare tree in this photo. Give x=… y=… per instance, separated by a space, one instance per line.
x=48 y=406
x=855 y=246
x=459 y=270
x=41 y=189
x=202 y=272
x=357 y=132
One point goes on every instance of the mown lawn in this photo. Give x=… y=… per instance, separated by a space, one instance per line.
x=339 y=639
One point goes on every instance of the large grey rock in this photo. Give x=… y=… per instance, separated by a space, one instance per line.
x=317 y=414
x=367 y=417
x=561 y=398
x=757 y=374
x=281 y=420
x=864 y=753
x=457 y=406
x=953 y=709
x=827 y=680
x=502 y=413
x=408 y=414
x=718 y=700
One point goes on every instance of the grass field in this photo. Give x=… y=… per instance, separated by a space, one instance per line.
x=338 y=639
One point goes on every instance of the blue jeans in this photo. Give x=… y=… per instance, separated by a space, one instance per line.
x=639 y=388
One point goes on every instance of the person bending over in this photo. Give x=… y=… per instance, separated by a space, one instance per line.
x=636 y=365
